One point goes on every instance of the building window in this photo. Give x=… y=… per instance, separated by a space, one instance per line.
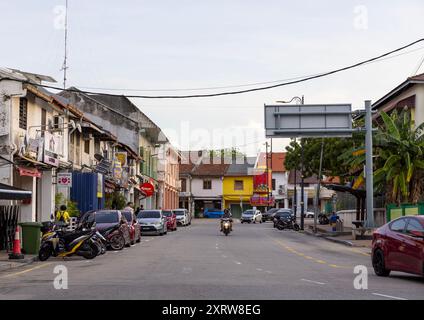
x=273 y=184
x=207 y=184
x=183 y=185
x=23 y=113
x=238 y=185
x=87 y=146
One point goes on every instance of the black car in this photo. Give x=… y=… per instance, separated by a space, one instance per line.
x=268 y=216
x=282 y=213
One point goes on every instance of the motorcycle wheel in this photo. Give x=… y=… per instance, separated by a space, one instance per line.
x=296 y=227
x=92 y=252
x=117 y=242
x=45 y=252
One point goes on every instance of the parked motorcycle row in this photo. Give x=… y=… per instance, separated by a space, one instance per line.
x=99 y=231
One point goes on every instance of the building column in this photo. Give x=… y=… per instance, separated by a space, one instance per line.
x=47 y=196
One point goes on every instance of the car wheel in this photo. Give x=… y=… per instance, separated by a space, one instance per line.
x=379 y=264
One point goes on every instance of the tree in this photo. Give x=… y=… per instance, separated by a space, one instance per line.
x=401 y=150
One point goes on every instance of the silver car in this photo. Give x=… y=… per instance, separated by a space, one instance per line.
x=251 y=215
x=152 y=222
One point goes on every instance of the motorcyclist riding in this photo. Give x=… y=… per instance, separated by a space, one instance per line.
x=227 y=215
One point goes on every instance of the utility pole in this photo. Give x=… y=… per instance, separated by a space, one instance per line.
x=302 y=183
x=65 y=67
x=317 y=206
x=295 y=190
x=369 y=222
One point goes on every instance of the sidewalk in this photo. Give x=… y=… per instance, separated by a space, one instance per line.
x=7 y=264
x=344 y=237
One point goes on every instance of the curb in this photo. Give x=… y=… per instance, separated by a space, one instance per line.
x=332 y=239
x=12 y=264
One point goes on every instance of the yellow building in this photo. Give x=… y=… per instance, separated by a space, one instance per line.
x=237 y=187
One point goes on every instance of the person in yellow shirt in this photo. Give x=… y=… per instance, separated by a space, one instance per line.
x=63 y=215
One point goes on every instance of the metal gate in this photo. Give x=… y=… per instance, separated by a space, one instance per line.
x=8 y=221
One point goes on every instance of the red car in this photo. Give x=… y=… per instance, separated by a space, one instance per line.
x=171 y=220
x=135 y=228
x=399 y=246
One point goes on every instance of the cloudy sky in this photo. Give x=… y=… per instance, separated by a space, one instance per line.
x=185 y=44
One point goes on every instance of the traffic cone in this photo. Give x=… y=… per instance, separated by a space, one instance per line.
x=16 y=254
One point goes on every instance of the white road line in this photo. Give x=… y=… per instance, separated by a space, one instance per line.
x=268 y=271
x=386 y=296
x=312 y=281
x=259 y=269
x=236 y=262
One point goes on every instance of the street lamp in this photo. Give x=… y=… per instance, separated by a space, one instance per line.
x=301 y=101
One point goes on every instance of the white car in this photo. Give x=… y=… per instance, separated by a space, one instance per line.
x=309 y=214
x=183 y=217
x=251 y=216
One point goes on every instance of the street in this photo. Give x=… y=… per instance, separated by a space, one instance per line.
x=256 y=261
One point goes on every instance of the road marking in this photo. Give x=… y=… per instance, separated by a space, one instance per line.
x=28 y=270
x=320 y=261
x=268 y=271
x=386 y=296
x=259 y=269
x=334 y=266
x=308 y=257
x=312 y=281
x=224 y=256
x=236 y=262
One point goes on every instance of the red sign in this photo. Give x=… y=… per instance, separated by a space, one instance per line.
x=148 y=189
x=29 y=172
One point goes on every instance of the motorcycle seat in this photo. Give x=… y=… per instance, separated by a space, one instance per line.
x=70 y=236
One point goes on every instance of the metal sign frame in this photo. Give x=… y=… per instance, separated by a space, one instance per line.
x=308 y=120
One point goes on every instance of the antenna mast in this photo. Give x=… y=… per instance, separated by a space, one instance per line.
x=65 y=67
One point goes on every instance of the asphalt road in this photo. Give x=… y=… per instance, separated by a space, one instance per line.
x=256 y=261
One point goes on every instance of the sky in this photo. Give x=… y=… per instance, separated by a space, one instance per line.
x=119 y=46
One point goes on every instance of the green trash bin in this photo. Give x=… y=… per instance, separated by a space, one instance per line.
x=31 y=237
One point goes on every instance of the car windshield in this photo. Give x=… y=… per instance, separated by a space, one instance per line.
x=272 y=210
x=107 y=217
x=179 y=212
x=127 y=215
x=167 y=213
x=149 y=214
x=284 y=215
x=249 y=212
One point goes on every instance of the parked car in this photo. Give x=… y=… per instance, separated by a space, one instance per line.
x=251 y=215
x=171 y=220
x=309 y=214
x=213 y=213
x=267 y=216
x=285 y=213
x=183 y=216
x=152 y=222
x=135 y=228
x=399 y=246
x=109 y=220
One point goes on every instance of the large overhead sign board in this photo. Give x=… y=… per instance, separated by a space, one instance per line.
x=308 y=121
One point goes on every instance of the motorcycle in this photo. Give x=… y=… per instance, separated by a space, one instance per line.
x=287 y=224
x=58 y=242
x=98 y=238
x=226 y=226
x=323 y=219
x=114 y=238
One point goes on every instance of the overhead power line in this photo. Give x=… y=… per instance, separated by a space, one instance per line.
x=251 y=84
x=226 y=93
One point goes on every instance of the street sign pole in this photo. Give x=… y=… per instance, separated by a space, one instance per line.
x=302 y=187
x=369 y=221
x=317 y=206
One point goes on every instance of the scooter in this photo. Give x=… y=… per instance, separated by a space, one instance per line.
x=287 y=224
x=60 y=243
x=323 y=219
x=226 y=226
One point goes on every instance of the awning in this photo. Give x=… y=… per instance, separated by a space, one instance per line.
x=12 y=193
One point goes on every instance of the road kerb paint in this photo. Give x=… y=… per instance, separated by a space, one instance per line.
x=387 y=296
x=27 y=270
x=312 y=281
